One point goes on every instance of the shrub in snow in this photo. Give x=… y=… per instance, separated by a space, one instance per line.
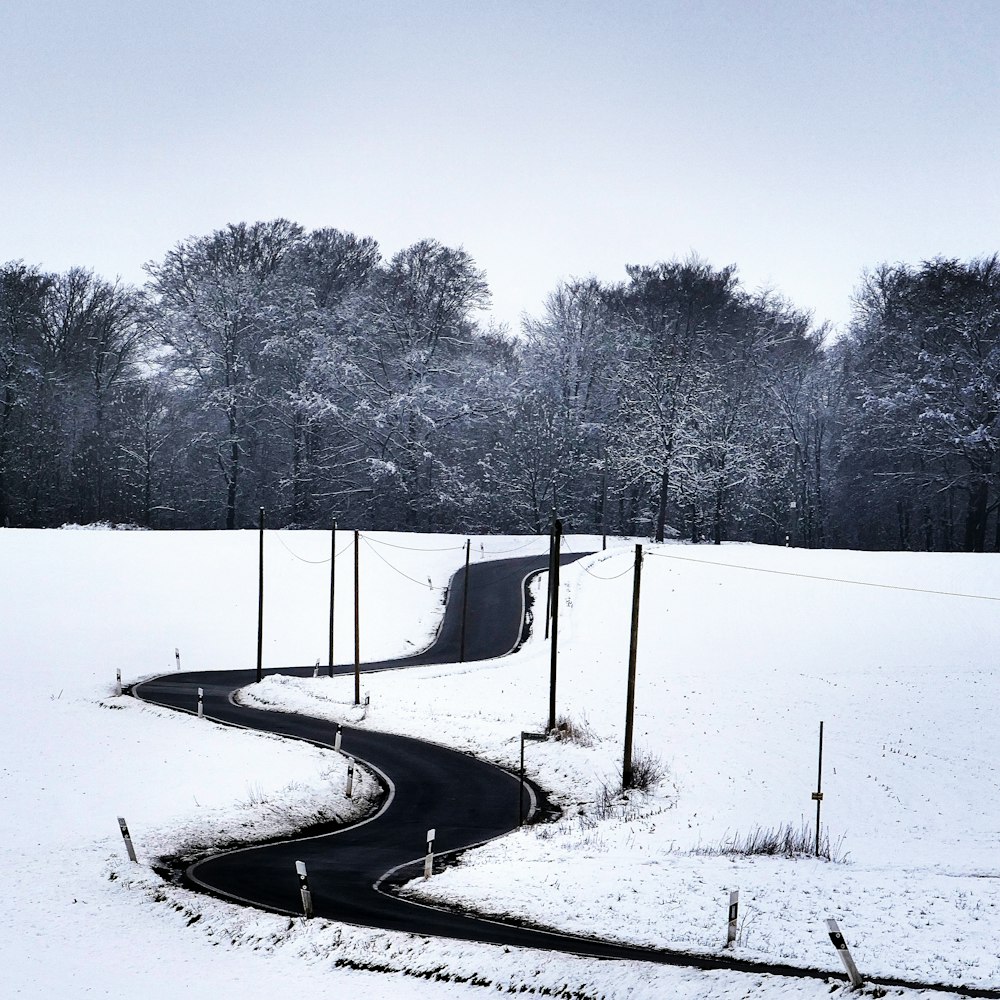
x=785 y=841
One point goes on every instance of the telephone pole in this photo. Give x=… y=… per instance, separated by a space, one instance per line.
x=333 y=587
x=260 y=603
x=556 y=547
x=633 y=645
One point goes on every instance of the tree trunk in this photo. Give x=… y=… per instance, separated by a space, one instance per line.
x=233 y=477
x=147 y=490
x=661 y=515
x=975 y=521
x=8 y=408
x=99 y=486
x=820 y=512
x=296 y=467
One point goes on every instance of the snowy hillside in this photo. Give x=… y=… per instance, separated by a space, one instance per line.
x=743 y=651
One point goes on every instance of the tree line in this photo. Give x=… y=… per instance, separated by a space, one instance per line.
x=302 y=371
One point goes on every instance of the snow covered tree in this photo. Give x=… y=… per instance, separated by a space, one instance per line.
x=217 y=300
x=667 y=318
x=548 y=453
x=407 y=385
x=925 y=350
x=22 y=295
x=92 y=344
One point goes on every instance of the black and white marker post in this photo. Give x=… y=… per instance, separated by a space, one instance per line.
x=127 y=837
x=350 y=777
x=845 y=954
x=734 y=913
x=118 y=684
x=201 y=703
x=307 y=900
x=337 y=739
x=429 y=860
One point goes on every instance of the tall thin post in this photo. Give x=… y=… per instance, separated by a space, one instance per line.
x=260 y=604
x=548 y=592
x=357 y=623
x=818 y=794
x=465 y=601
x=604 y=505
x=632 y=648
x=333 y=587
x=556 y=548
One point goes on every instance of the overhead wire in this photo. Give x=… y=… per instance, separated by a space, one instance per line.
x=411 y=548
x=312 y=562
x=825 y=579
x=590 y=572
x=517 y=548
x=396 y=569
x=295 y=555
x=617 y=576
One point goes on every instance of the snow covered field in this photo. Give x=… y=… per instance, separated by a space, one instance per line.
x=736 y=669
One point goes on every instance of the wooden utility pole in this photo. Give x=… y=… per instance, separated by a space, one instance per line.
x=604 y=506
x=556 y=548
x=818 y=794
x=465 y=601
x=260 y=604
x=632 y=647
x=357 y=623
x=333 y=587
x=548 y=591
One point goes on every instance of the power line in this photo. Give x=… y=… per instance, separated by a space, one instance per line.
x=312 y=562
x=395 y=569
x=617 y=576
x=412 y=548
x=517 y=548
x=295 y=555
x=826 y=579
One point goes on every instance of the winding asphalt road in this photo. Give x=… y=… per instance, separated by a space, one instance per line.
x=465 y=799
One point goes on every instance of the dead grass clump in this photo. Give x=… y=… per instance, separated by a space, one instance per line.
x=787 y=841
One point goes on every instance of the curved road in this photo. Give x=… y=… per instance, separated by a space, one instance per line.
x=466 y=800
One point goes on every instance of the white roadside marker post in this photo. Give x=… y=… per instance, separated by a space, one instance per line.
x=429 y=860
x=177 y=657
x=350 y=777
x=336 y=740
x=845 y=954
x=201 y=703
x=127 y=838
x=734 y=912
x=118 y=683
x=307 y=900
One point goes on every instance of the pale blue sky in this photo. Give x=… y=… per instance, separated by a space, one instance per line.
x=801 y=141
